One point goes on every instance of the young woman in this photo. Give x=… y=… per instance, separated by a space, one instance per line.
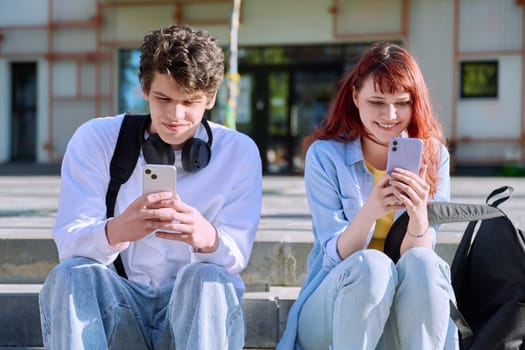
x=355 y=296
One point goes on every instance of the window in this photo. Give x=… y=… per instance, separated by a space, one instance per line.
x=479 y=79
x=130 y=99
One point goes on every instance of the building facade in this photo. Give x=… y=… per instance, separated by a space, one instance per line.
x=63 y=62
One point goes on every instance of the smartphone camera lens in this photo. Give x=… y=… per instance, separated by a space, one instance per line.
x=154 y=176
x=147 y=171
x=394 y=148
x=394 y=143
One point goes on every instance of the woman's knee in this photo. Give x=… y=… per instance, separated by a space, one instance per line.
x=422 y=264
x=369 y=268
x=420 y=259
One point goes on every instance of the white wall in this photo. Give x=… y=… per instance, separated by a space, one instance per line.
x=16 y=12
x=487 y=26
x=5 y=110
x=131 y=23
x=431 y=43
x=494 y=117
x=42 y=110
x=280 y=22
x=490 y=117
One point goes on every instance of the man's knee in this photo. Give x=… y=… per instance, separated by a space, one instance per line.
x=203 y=272
x=207 y=280
x=73 y=266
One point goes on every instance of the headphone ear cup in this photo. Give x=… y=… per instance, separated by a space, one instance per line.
x=196 y=155
x=156 y=151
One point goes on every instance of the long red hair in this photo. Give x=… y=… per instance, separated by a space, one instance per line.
x=393 y=69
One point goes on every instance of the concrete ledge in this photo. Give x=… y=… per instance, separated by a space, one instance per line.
x=275 y=263
x=266 y=314
x=26 y=260
x=20 y=316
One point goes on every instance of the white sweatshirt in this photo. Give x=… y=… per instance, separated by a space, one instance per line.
x=227 y=193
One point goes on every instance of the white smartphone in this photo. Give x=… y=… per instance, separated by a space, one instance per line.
x=405 y=153
x=159 y=178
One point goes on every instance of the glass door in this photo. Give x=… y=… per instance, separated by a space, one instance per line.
x=298 y=100
x=313 y=92
x=23 y=109
x=277 y=107
x=278 y=137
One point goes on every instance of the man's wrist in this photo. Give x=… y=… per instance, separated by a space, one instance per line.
x=214 y=247
x=111 y=237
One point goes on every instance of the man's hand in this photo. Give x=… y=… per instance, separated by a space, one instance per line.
x=163 y=212
x=192 y=228
x=139 y=219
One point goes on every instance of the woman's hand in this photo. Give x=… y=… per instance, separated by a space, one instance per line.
x=412 y=192
x=383 y=200
x=380 y=202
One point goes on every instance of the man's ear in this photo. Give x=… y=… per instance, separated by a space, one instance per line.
x=211 y=100
x=145 y=94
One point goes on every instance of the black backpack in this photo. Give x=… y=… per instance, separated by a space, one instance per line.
x=488 y=271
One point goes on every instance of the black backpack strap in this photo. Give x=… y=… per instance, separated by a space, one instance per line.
x=474 y=213
x=123 y=163
x=499 y=192
x=395 y=237
x=463 y=327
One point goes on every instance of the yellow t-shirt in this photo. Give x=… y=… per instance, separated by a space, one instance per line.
x=384 y=223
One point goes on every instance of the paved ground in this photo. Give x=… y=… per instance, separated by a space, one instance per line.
x=29 y=197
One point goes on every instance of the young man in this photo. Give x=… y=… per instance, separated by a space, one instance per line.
x=183 y=289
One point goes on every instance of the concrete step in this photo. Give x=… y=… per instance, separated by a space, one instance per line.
x=277 y=260
x=29 y=260
x=266 y=314
x=284 y=238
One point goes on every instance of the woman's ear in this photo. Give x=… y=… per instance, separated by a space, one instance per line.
x=355 y=95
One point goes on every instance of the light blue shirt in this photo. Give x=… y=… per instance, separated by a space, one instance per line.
x=338 y=183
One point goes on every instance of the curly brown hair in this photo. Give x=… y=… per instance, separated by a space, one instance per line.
x=192 y=58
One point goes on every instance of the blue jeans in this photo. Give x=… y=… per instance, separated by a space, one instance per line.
x=85 y=305
x=368 y=302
